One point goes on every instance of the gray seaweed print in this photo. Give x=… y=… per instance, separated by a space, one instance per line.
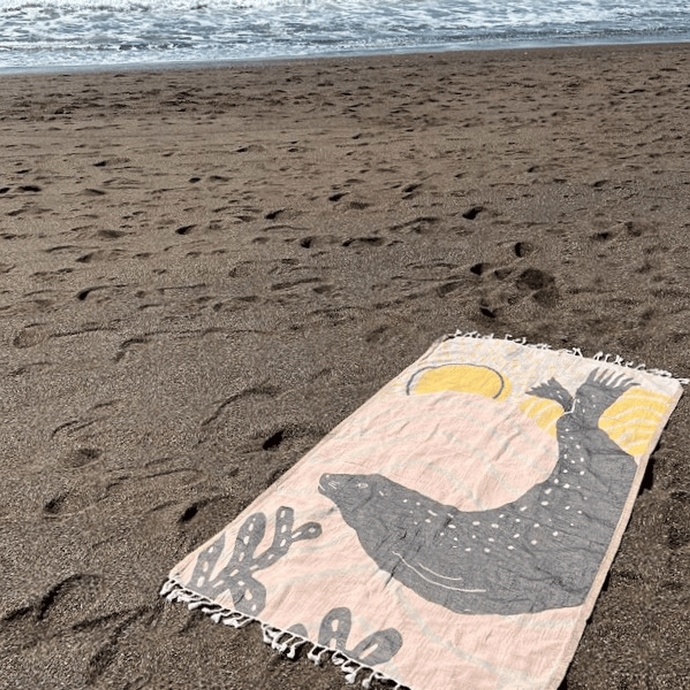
x=248 y=594
x=377 y=648
x=540 y=551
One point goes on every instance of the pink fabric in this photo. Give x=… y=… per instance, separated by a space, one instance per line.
x=461 y=450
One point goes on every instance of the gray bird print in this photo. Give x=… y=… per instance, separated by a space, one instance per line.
x=538 y=552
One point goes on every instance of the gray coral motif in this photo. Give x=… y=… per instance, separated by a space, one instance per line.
x=248 y=594
x=377 y=648
x=538 y=552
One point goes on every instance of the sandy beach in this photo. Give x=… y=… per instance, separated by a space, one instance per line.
x=203 y=271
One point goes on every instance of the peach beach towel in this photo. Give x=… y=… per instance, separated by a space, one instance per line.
x=455 y=531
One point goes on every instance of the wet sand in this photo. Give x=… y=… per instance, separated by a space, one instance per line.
x=203 y=271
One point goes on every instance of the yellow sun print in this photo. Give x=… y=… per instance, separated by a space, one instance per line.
x=463 y=378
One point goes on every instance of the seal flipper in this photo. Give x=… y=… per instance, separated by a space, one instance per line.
x=553 y=390
x=598 y=393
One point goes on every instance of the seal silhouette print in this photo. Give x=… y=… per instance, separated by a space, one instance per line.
x=538 y=552
x=455 y=530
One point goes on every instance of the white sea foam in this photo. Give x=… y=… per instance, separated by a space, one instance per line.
x=45 y=33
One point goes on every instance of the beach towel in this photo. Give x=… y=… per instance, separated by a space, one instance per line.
x=454 y=532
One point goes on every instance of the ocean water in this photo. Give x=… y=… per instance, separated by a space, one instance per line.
x=74 y=34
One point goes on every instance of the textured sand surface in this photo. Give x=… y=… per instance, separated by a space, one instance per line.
x=203 y=272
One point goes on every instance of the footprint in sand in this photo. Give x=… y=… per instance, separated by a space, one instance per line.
x=317 y=241
x=449 y=287
x=294 y=283
x=67 y=598
x=101 y=255
x=31 y=335
x=542 y=285
x=128 y=344
x=480 y=269
x=110 y=234
x=109 y=490
x=423 y=225
x=72 y=501
x=473 y=212
x=523 y=249
x=80 y=457
x=364 y=242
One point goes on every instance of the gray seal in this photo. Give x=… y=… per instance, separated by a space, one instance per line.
x=539 y=552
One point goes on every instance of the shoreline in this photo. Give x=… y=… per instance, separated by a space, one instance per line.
x=392 y=53
x=204 y=271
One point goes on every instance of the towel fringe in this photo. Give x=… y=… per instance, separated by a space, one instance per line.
x=284 y=642
x=600 y=356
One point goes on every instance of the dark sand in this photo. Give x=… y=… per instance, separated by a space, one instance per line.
x=194 y=262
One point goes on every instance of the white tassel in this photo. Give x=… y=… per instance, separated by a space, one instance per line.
x=338 y=659
x=366 y=683
x=600 y=356
x=167 y=586
x=270 y=635
x=316 y=658
x=294 y=648
x=265 y=634
x=211 y=610
x=174 y=591
x=351 y=672
x=282 y=646
x=661 y=372
x=236 y=620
